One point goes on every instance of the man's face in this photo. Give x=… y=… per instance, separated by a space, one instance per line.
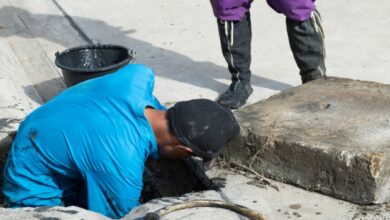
x=175 y=151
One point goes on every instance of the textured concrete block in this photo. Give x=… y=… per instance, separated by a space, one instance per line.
x=330 y=136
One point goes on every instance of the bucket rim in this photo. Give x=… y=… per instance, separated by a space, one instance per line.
x=94 y=46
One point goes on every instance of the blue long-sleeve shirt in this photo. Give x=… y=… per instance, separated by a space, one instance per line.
x=87 y=146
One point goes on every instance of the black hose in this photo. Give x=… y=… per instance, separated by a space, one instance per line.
x=249 y=213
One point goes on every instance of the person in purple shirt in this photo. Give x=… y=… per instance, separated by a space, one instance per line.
x=305 y=34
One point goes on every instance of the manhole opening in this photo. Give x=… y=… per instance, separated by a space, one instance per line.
x=162 y=178
x=168 y=178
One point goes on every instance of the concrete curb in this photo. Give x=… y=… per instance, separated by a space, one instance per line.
x=17 y=98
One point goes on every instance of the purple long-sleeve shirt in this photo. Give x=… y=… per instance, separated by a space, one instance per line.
x=233 y=10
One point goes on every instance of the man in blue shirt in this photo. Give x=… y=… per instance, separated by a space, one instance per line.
x=87 y=146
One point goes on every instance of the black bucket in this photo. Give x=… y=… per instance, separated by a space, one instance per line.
x=87 y=62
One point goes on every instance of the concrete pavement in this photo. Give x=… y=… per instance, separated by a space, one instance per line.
x=287 y=202
x=179 y=41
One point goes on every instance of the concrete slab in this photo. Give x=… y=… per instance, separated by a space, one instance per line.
x=288 y=202
x=331 y=136
x=34 y=39
x=179 y=40
x=17 y=97
x=194 y=213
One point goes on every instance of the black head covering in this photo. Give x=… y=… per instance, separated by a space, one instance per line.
x=202 y=125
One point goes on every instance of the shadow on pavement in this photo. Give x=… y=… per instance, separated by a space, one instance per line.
x=47 y=89
x=167 y=64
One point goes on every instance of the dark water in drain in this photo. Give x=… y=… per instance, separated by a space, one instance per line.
x=167 y=178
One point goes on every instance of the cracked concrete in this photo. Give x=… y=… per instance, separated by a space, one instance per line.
x=330 y=136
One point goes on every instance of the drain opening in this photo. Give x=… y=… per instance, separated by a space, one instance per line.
x=169 y=178
x=162 y=178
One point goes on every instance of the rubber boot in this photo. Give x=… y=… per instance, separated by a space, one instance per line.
x=307 y=45
x=235 y=38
